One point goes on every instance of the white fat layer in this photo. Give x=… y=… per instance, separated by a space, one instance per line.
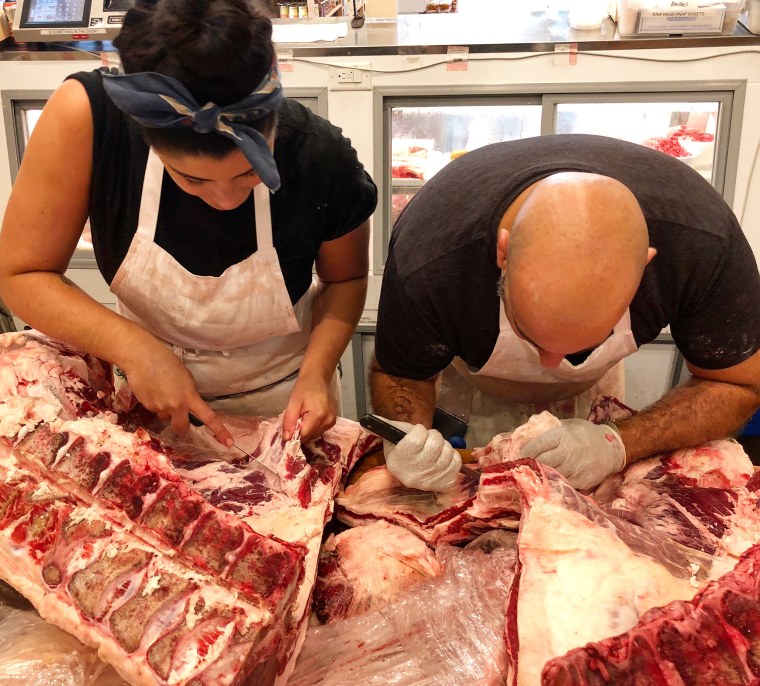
x=188 y=662
x=384 y=556
x=193 y=612
x=9 y=469
x=83 y=514
x=570 y=565
x=152 y=584
x=506 y=446
x=19 y=414
x=45 y=492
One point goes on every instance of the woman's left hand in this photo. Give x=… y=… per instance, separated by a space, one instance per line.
x=311 y=400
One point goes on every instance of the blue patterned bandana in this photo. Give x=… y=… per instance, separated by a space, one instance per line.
x=160 y=101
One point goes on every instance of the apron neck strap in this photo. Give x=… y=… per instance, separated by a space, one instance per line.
x=151 y=196
x=151 y=199
x=624 y=325
x=263 y=217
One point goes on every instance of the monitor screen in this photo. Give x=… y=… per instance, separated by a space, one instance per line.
x=52 y=13
x=118 y=5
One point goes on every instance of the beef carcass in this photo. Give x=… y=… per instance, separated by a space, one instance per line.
x=462 y=512
x=131 y=479
x=43 y=379
x=457 y=515
x=696 y=496
x=66 y=440
x=572 y=557
x=310 y=475
x=445 y=630
x=505 y=447
x=367 y=567
x=713 y=639
x=151 y=617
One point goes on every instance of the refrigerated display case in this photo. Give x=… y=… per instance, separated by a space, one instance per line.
x=422 y=134
x=686 y=130
x=26 y=113
x=425 y=138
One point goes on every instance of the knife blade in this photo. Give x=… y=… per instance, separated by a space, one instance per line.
x=197 y=422
x=379 y=426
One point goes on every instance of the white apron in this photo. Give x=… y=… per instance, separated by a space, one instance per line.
x=513 y=385
x=237 y=332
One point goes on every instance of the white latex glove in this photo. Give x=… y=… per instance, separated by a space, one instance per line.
x=422 y=459
x=583 y=452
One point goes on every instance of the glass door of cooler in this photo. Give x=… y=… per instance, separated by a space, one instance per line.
x=692 y=127
x=23 y=112
x=428 y=133
x=421 y=134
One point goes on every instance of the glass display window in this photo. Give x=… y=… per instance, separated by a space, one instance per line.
x=684 y=130
x=425 y=138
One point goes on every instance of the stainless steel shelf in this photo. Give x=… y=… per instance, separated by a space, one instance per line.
x=432 y=34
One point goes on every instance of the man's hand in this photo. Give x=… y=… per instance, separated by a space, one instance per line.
x=583 y=452
x=310 y=399
x=422 y=459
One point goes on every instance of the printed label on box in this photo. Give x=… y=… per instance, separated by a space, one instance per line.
x=699 y=21
x=76 y=31
x=368 y=318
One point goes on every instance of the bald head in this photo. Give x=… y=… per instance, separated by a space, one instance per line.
x=577 y=248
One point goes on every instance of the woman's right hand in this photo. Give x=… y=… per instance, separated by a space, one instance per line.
x=164 y=385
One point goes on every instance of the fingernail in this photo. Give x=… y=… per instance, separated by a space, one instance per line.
x=229 y=443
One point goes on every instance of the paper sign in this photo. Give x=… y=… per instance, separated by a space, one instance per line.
x=456 y=58
x=693 y=21
x=368 y=318
x=72 y=32
x=285 y=60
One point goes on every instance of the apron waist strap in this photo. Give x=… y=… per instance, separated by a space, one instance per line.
x=242 y=394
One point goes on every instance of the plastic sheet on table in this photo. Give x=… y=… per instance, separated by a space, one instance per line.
x=35 y=653
x=447 y=630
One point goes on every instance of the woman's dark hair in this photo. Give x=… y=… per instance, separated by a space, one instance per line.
x=220 y=50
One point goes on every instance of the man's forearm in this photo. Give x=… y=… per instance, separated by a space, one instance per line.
x=690 y=414
x=405 y=400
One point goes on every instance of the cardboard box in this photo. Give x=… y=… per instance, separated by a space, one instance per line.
x=5 y=26
x=646 y=18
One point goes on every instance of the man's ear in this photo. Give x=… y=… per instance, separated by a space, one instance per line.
x=651 y=252
x=501 y=248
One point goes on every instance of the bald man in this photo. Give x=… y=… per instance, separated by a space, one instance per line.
x=521 y=276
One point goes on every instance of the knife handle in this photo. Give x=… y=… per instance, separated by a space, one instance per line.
x=378 y=426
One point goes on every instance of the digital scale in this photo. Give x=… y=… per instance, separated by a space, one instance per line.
x=68 y=20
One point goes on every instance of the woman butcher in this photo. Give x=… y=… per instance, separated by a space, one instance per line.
x=212 y=199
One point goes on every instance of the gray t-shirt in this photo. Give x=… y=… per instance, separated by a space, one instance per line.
x=439 y=297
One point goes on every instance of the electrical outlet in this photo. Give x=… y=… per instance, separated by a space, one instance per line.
x=350 y=78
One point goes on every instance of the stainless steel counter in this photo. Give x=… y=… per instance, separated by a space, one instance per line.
x=523 y=32
x=424 y=34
